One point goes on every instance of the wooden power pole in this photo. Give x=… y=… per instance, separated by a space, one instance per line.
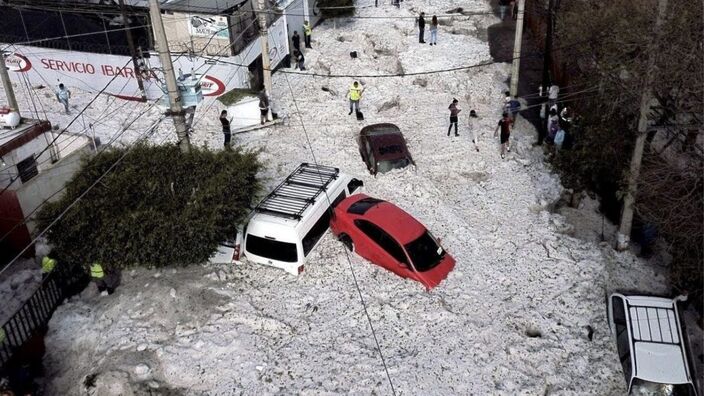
x=547 y=53
x=517 y=48
x=162 y=46
x=133 y=51
x=264 y=41
x=624 y=229
x=7 y=84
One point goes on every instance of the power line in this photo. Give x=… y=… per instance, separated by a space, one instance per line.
x=103 y=149
x=389 y=75
x=67 y=126
x=72 y=204
x=361 y=297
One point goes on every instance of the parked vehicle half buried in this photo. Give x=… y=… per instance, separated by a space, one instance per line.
x=387 y=236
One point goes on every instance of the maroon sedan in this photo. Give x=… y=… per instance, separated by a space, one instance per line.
x=383 y=147
x=387 y=236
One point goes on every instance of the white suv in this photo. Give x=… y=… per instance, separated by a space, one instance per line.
x=651 y=345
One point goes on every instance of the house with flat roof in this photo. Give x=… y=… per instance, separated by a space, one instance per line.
x=36 y=162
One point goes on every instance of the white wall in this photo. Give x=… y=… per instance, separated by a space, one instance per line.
x=91 y=72
x=51 y=179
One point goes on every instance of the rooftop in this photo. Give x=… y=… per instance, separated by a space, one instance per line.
x=11 y=139
x=197 y=6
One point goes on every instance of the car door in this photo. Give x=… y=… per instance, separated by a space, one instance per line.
x=383 y=249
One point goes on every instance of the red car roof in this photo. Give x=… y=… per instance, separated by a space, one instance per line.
x=394 y=220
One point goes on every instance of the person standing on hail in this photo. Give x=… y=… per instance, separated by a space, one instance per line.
x=63 y=95
x=307 y=31
x=355 y=94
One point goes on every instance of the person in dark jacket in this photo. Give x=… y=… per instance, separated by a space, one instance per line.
x=263 y=107
x=514 y=106
x=421 y=28
x=454 y=111
x=226 y=127
x=298 y=57
x=503 y=8
x=505 y=124
x=296 y=39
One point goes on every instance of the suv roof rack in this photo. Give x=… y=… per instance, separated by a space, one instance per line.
x=298 y=191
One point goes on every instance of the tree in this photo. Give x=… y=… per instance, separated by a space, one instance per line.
x=605 y=43
x=157 y=207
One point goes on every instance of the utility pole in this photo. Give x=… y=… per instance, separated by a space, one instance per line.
x=7 y=84
x=264 y=41
x=517 y=48
x=624 y=229
x=133 y=51
x=547 y=53
x=162 y=46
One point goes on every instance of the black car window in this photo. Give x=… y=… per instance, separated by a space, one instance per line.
x=622 y=337
x=390 y=149
x=363 y=205
x=338 y=199
x=316 y=232
x=425 y=252
x=271 y=249
x=384 y=240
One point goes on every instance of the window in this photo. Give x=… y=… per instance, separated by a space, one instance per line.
x=370 y=153
x=622 y=336
x=425 y=252
x=385 y=166
x=353 y=185
x=384 y=240
x=390 y=149
x=271 y=249
x=338 y=199
x=27 y=168
x=642 y=387
x=363 y=205
x=316 y=232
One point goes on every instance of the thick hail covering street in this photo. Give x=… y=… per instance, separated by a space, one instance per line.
x=514 y=317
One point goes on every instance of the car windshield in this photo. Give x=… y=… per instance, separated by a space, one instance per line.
x=385 y=166
x=646 y=388
x=424 y=252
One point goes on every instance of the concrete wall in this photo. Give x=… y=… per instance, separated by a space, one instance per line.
x=52 y=178
x=35 y=146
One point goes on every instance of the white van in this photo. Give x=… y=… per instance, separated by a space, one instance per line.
x=652 y=346
x=288 y=223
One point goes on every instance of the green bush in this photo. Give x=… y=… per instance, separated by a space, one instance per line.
x=157 y=207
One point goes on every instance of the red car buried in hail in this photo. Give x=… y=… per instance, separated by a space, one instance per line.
x=387 y=236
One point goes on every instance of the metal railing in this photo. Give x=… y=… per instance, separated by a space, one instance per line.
x=34 y=315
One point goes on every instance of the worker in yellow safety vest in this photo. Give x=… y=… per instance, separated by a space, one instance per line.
x=307 y=30
x=97 y=275
x=355 y=94
x=105 y=280
x=48 y=265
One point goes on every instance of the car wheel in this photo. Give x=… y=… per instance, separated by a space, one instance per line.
x=347 y=241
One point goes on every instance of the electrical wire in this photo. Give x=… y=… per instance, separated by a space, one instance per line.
x=103 y=149
x=67 y=126
x=349 y=261
x=98 y=180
